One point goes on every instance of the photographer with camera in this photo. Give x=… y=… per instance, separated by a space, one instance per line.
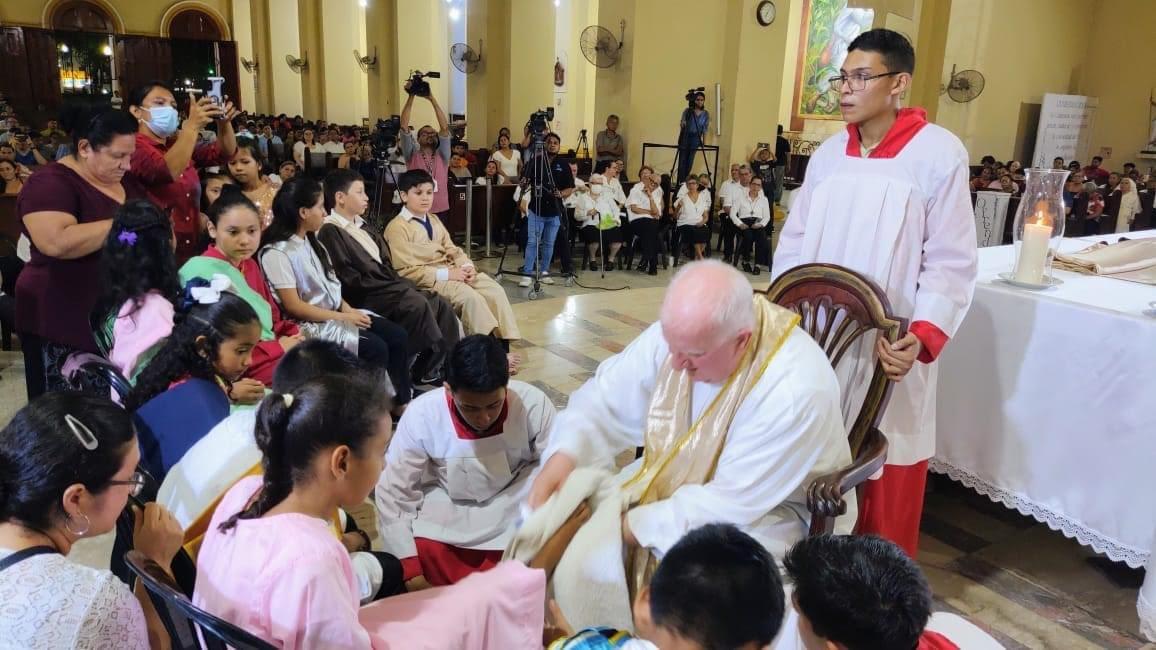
x=692 y=131
x=430 y=150
x=550 y=182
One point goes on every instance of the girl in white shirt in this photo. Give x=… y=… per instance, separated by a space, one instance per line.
x=692 y=210
x=643 y=209
x=508 y=159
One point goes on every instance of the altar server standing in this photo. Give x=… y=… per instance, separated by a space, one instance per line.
x=889 y=198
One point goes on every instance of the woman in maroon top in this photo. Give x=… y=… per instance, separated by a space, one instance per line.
x=66 y=211
x=166 y=166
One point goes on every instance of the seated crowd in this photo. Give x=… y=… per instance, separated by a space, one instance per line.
x=287 y=356
x=1096 y=200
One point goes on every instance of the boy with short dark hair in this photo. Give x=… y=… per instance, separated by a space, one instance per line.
x=425 y=253
x=715 y=588
x=855 y=592
x=444 y=504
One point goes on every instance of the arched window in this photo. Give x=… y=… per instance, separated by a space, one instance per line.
x=195 y=24
x=82 y=16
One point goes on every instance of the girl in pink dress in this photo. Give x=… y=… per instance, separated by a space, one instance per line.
x=271 y=565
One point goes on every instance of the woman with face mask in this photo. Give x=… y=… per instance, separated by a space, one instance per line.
x=168 y=155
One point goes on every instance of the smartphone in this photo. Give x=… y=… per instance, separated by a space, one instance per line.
x=214 y=93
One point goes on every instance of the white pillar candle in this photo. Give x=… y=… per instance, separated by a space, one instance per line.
x=1033 y=253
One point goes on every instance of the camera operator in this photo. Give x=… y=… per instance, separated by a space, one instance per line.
x=430 y=150
x=692 y=131
x=545 y=211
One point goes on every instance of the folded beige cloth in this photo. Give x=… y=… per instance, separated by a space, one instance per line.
x=1133 y=260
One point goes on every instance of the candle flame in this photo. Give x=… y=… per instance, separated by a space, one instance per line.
x=1043 y=215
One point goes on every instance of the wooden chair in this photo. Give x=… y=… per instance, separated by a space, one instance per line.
x=182 y=619
x=838 y=307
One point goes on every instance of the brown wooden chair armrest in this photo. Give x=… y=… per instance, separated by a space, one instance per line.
x=825 y=494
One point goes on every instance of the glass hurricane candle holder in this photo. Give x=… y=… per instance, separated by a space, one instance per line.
x=1039 y=225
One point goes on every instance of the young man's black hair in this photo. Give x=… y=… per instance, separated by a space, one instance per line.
x=893 y=47
x=718 y=587
x=478 y=364
x=859 y=591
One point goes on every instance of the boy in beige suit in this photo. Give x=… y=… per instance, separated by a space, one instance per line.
x=423 y=252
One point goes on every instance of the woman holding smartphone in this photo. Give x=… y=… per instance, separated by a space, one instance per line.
x=167 y=155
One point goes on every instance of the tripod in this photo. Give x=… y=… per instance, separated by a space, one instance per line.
x=541 y=177
x=582 y=149
x=384 y=170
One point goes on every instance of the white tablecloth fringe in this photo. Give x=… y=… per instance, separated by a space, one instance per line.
x=1114 y=549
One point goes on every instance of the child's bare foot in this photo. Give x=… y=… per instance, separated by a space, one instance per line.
x=514 y=361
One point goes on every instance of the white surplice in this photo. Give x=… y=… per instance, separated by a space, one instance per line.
x=786 y=432
x=905 y=222
x=463 y=492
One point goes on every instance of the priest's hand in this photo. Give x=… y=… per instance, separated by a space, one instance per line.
x=898 y=358
x=554 y=473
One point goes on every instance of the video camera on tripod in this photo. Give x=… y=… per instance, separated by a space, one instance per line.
x=385 y=136
x=539 y=123
x=692 y=93
x=418 y=84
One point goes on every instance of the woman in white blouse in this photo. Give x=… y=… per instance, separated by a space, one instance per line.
x=509 y=160
x=692 y=210
x=644 y=208
x=46 y=601
x=752 y=216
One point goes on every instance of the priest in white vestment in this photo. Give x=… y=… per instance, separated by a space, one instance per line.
x=889 y=198
x=457 y=468
x=736 y=407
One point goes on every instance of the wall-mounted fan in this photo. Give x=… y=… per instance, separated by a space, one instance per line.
x=464 y=58
x=295 y=64
x=366 y=62
x=600 y=47
x=250 y=66
x=963 y=86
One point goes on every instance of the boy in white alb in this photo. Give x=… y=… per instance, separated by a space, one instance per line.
x=889 y=198
x=457 y=465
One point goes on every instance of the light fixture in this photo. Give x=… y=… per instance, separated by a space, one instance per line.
x=64 y=48
x=106 y=50
x=455 y=13
x=557 y=3
x=363 y=3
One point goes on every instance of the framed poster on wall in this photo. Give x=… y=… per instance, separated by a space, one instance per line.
x=828 y=28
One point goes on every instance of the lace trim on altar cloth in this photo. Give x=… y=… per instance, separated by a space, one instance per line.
x=1114 y=549
x=1147 y=612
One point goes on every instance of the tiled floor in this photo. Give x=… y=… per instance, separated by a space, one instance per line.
x=1024 y=583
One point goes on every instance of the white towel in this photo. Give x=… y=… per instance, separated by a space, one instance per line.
x=589 y=583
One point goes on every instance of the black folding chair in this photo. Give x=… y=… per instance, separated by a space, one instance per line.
x=182 y=619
